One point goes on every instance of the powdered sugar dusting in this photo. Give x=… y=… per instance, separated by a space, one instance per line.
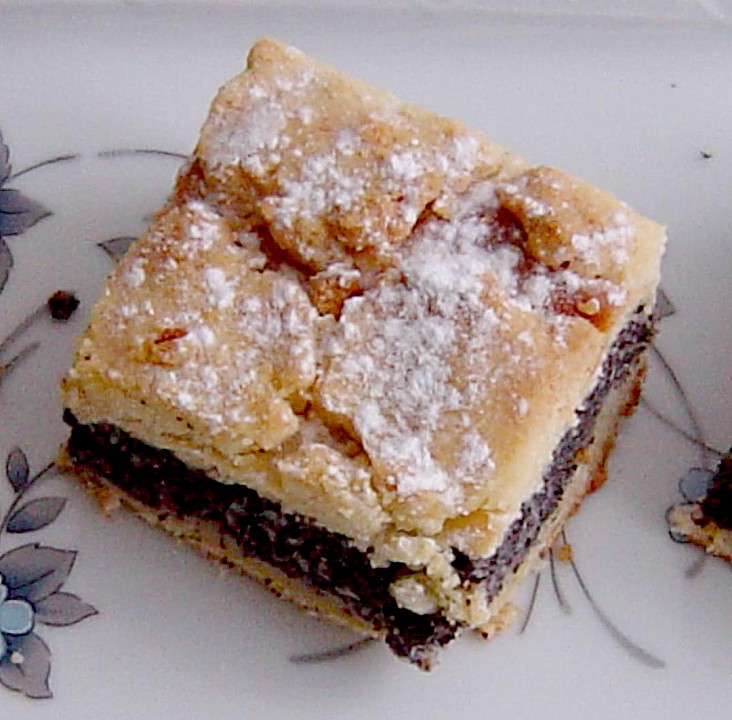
x=394 y=352
x=533 y=206
x=447 y=303
x=202 y=335
x=244 y=137
x=305 y=114
x=407 y=386
x=229 y=383
x=465 y=153
x=136 y=274
x=453 y=259
x=222 y=291
x=281 y=323
x=204 y=229
x=222 y=337
x=613 y=240
x=323 y=185
x=414 y=332
x=335 y=164
x=405 y=165
x=475 y=454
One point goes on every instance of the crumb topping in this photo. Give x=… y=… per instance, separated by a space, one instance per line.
x=367 y=312
x=338 y=167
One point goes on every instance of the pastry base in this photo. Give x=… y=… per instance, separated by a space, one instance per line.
x=714 y=539
x=205 y=536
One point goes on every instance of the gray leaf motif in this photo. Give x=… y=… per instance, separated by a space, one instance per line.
x=18 y=213
x=16 y=469
x=6 y=263
x=4 y=161
x=695 y=484
x=116 y=247
x=35 y=571
x=36 y=514
x=61 y=609
x=27 y=666
x=664 y=307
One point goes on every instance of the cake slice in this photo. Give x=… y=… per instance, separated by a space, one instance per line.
x=707 y=522
x=364 y=355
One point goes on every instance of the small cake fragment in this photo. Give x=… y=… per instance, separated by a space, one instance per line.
x=707 y=521
x=364 y=355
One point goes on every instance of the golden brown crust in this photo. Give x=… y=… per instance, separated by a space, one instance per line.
x=714 y=539
x=365 y=312
x=268 y=149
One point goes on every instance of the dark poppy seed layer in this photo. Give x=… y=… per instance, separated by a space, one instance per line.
x=717 y=505
x=327 y=561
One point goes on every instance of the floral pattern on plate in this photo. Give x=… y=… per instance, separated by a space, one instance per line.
x=31 y=575
x=17 y=213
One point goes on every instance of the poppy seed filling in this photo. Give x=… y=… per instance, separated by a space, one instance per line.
x=326 y=561
x=717 y=504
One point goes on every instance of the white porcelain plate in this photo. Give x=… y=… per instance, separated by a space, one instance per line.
x=96 y=103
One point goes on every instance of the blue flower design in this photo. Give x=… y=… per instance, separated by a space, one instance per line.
x=693 y=487
x=31 y=580
x=16 y=617
x=32 y=575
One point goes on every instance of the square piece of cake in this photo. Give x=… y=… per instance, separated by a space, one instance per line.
x=364 y=355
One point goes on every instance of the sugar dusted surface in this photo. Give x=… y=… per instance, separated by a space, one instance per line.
x=215 y=343
x=368 y=313
x=338 y=166
x=415 y=363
